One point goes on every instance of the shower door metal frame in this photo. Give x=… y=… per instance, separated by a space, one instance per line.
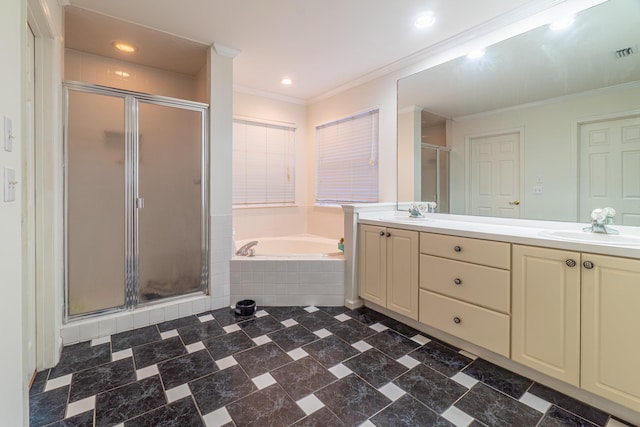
x=131 y=214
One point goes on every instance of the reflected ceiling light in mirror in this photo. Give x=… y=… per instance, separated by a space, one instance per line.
x=562 y=23
x=425 y=20
x=476 y=54
x=286 y=81
x=121 y=73
x=124 y=47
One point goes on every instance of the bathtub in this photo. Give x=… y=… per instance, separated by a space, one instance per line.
x=293 y=270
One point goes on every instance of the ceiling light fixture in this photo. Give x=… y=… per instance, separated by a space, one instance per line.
x=424 y=20
x=124 y=47
x=286 y=81
x=562 y=23
x=475 y=54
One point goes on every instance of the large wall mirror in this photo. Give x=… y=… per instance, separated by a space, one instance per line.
x=545 y=125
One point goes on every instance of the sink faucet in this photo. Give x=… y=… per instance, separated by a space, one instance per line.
x=600 y=219
x=247 y=250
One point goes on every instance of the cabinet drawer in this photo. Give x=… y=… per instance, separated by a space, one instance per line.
x=485 y=286
x=477 y=251
x=477 y=325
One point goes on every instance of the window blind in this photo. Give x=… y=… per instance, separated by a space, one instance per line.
x=263 y=164
x=347 y=160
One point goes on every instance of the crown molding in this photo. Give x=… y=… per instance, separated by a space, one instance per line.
x=268 y=95
x=225 y=51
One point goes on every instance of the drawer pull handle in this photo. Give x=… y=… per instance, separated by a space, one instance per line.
x=570 y=263
x=588 y=265
x=388 y=234
x=457 y=320
x=457 y=248
x=457 y=281
x=382 y=233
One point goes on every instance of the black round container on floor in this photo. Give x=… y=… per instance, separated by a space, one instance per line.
x=245 y=307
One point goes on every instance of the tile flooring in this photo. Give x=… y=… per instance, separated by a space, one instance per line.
x=290 y=366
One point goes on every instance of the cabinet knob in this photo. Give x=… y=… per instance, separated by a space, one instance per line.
x=570 y=263
x=388 y=234
x=457 y=320
x=588 y=265
x=457 y=248
x=382 y=233
x=457 y=281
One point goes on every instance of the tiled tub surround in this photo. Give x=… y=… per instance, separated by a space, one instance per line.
x=301 y=281
x=324 y=366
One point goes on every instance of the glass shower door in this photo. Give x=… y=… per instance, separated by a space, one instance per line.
x=170 y=236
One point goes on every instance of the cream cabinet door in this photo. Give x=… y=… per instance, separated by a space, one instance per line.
x=611 y=328
x=402 y=271
x=545 y=332
x=372 y=263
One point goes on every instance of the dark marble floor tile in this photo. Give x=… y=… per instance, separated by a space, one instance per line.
x=316 y=320
x=293 y=337
x=352 y=399
x=221 y=388
x=392 y=343
x=401 y=328
x=351 y=331
x=499 y=378
x=229 y=344
x=590 y=413
x=177 y=323
x=261 y=359
x=48 y=407
x=181 y=413
x=367 y=316
x=330 y=350
x=302 y=377
x=284 y=313
x=81 y=359
x=200 y=331
x=321 y=418
x=441 y=358
x=120 y=404
x=186 y=368
x=75 y=347
x=334 y=310
x=84 y=419
x=134 y=338
x=226 y=316
x=159 y=351
x=260 y=326
x=407 y=411
x=267 y=407
x=101 y=378
x=496 y=409
x=430 y=387
x=39 y=382
x=557 y=417
x=375 y=367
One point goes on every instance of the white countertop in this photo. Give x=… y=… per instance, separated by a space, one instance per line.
x=521 y=231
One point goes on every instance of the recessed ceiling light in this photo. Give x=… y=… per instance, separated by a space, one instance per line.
x=475 y=54
x=286 y=81
x=562 y=23
x=424 y=20
x=124 y=47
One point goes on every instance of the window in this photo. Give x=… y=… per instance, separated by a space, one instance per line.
x=347 y=160
x=263 y=164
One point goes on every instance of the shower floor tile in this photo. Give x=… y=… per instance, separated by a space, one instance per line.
x=328 y=382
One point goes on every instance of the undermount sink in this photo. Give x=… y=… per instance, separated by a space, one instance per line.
x=598 y=238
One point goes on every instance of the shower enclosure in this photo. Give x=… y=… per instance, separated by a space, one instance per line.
x=135 y=200
x=434 y=184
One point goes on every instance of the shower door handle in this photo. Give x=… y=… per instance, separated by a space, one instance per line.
x=139 y=202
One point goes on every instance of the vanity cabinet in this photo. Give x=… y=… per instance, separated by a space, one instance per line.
x=465 y=289
x=388 y=268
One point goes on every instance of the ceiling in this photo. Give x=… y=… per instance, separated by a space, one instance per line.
x=320 y=44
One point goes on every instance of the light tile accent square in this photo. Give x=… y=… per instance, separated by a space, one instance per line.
x=457 y=417
x=297 y=353
x=378 y=327
x=169 y=334
x=217 y=418
x=367 y=424
x=58 y=382
x=392 y=391
x=262 y=339
x=408 y=361
x=227 y=362
x=310 y=404
x=263 y=381
x=205 y=318
x=533 y=401
x=340 y=371
x=467 y=354
x=311 y=309
x=196 y=346
x=147 y=372
x=322 y=333
x=178 y=393
x=289 y=323
x=261 y=313
x=231 y=328
x=122 y=354
x=99 y=341
x=615 y=423
x=422 y=340
x=464 y=379
x=342 y=317
x=361 y=346
x=80 y=406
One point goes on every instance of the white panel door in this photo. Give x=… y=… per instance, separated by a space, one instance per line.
x=610 y=168
x=495 y=175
